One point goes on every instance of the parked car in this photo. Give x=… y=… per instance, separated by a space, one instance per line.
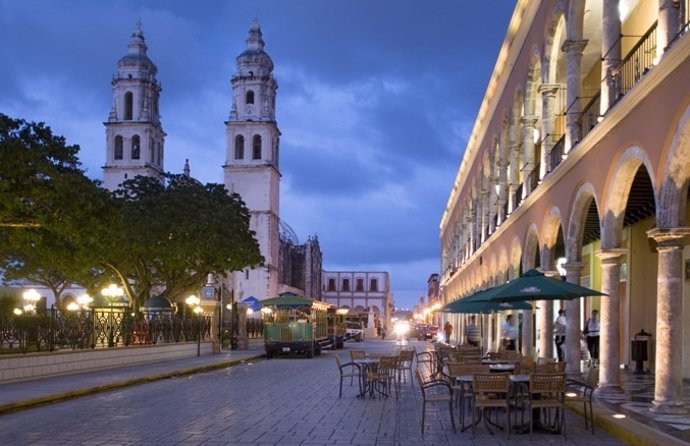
x=354 y=331
x=425 y=332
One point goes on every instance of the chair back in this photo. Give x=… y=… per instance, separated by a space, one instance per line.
x=547 y=385
x=463 y=368
x=526 y=365
x=542 y=360
x=388 y=363
x=357 y=354
x=488 y=385
x=337 y=360
x=406 y=355
x=551 y=367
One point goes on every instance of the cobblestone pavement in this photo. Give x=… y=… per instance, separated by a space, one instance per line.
x=283 y=401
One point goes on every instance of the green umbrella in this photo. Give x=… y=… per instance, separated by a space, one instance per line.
x=470 y=304
x=534 y=285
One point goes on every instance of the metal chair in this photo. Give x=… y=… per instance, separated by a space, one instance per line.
x=384 y=376
x=348 y=370
x=405 y=364
x=582 y=392
x=463 y=390
x=491 y=391
x=435 y=391
x=547 y=392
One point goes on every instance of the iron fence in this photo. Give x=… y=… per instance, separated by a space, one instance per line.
x=639 y=60
x=52 y=329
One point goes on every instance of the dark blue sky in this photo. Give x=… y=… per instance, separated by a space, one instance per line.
x=376 y=101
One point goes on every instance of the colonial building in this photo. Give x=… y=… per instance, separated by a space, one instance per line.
x=580 y=152
x=361 y=292
x=135 y=141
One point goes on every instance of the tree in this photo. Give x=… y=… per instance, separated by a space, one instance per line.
x=46 y=207
x=177 y=232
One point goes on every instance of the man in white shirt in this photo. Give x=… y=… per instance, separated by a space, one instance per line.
x=509 y=333
x=559 y=334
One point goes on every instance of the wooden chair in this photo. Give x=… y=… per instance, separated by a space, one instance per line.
x=384 y=376
x=526 y=366
x=435 y=391
x=462 y=390
x=551 y=367
x=357 y=354
x=546 y=393
x=406 y=358
x=348 y=370
x=582 y=392
x=491 y=391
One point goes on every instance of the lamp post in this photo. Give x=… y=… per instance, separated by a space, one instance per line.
x=193 y=303
x=112 y=293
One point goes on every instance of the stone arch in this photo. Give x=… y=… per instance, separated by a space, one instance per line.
x=676 y=174
x=493 y=271
x=621 y=178
x=550 y=226
x=552 y=42
x=503 y=265
x=531 y=253
x=578 y=215
x=575 y=19
x=515 y=259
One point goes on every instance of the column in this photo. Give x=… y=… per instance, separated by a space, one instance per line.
x=502 y=174
x=609 y=349
x=528 y=127
x=668 y=375
x=484 y=206
x=546 y=342
x=611 y=51
x=668 y=25
x=573 y=50
x=548 y=100
x=513 y=177
x=573 y=329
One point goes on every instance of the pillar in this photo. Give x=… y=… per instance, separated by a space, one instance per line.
x=668 y=25
x=609 y=342
x=548 y=101
x=668 y=375
x=611 y=51
x=573 y=50
x=546 y=342
x=513 y=177
x=484 y=206
x=528 y=127
x=572 y=329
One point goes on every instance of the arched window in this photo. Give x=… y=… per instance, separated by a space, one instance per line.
x=118 y=147
x=249 y=99
x=239 y=147
x=256 y=147
x=129 y=106
x=136 y=147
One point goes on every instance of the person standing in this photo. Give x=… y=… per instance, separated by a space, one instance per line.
x=509 y=333
x=447 y=331
x=559 y=334
x=472 y=332
x=591 y=332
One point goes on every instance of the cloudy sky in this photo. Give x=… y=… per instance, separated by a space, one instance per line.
x=375 y=103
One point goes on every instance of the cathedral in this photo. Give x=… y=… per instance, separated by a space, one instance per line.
x=135 y=143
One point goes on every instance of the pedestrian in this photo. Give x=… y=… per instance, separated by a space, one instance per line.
x=508 y=333
x=559 y=334
x=447 y=330
x=591 y=332
x=472 y=333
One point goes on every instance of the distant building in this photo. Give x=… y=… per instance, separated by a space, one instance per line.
x=300 y=267
x=361 y=292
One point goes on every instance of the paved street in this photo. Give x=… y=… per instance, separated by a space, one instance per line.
x=283 y=401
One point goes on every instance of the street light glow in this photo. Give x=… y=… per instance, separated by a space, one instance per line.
x=192 y=300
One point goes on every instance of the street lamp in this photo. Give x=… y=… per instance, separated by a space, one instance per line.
x=193 y=303
x=31 y=297
x=112 y=293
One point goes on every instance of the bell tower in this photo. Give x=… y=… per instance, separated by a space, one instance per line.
x=134 y=136
x=251 y=161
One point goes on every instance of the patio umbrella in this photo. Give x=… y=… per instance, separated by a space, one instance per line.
x=534 y=285
x=483 y=306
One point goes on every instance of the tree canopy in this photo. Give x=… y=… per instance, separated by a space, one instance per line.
x=57 y=226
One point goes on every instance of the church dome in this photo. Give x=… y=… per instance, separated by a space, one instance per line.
x=254 y=61
x=136 y=57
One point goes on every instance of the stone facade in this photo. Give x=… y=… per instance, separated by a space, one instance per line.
x=362 y=292
x=579 y=156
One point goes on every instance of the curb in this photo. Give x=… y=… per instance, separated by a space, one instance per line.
x=62 y=396
x=628 y=430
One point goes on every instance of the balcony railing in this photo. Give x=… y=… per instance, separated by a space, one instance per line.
x=638 y=61
x=589 y=117
x=557 y=150
x=517 y=197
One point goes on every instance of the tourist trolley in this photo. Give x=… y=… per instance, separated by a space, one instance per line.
x=295 y=324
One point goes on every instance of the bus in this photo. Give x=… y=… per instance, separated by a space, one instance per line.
x=295 y=324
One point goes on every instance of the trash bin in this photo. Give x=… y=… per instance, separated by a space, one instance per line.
x=638 y=350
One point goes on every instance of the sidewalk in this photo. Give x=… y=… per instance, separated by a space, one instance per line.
x=21 y=395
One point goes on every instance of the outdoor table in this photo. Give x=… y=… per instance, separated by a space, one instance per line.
x=366 y=364
x=502 y=368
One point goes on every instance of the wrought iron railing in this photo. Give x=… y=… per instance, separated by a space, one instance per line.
x=556 y=155
x=639 y=60
x=53 y=329
x=517 y=196
x=589 y=117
